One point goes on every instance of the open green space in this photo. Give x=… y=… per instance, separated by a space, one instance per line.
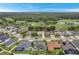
x=69 y=20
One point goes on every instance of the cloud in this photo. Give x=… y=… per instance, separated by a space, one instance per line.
x=40 y=10
x=53 y=10
x=3 y=10
x=60 y=10
x=72 y=10
x=8 y=10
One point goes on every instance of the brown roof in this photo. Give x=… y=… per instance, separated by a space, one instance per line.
x=52 y=45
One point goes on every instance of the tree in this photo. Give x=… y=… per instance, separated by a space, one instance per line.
x=77 y=28
x=23 y=34
x=0 y=49
x=34 y=34
x=51 y=28
x=71 y=28
x=30 y=28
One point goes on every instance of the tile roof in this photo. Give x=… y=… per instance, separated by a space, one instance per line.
x=53 y=45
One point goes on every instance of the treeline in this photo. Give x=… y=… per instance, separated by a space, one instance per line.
x=40 y=16
x=40 y=28
x=73 y=28
x=51 y=28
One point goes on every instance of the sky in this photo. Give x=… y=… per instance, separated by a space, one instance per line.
x=39 y=7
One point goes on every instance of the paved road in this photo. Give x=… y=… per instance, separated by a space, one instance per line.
x=5 y=50
x=12 y=48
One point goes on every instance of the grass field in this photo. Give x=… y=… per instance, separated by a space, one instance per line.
x=69 y=20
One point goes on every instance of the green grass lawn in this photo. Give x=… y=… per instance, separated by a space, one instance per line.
x=61 y=27
x=56 y=52
x=31 y=52
x=9 y=19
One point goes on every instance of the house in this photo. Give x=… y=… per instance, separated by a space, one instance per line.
x=75 y=34
x=47 y=34
x=39 y=45
x=19 y=49
x=53 y=45
x=56 y=33
x=71 y=51
x=23 y=46
x=10 y=42
x=39 y=33
x=3 y=38
x=63 y=33
x=76 y=43
x=70 y=33
x=69 y=48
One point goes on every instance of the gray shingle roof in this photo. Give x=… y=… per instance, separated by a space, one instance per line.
x=67 y=46
x=3 y=38
x=76 y=43
x=24 y=45
x=10 y=42
x=40 y=45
